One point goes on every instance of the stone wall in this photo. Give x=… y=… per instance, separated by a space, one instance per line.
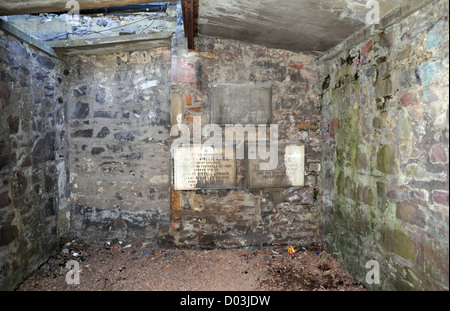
x=32 y=158
x=385 y=152
x=372 y=116
x=121 y=108
x=119 y=123
x=243 y=216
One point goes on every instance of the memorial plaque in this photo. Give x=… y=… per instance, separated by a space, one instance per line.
x=203 y=168
x=290 y=171
x=241 y=104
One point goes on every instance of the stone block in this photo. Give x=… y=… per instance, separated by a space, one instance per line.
x=386 y=159
x=80 y=111
x=46 y=62
x=365 y=195
x=100 y=96
x=44 y=149
x=427 y=73
x=106 y=114
x=8 y=233
x=123 y=136
x=440 y=197
x=361 y=160
x=410 y=213
x=103 y=132
x=309 y=75
x=81 y=91
x=367 y=48
x=5 y=200
x=334 y=127
x=241 y=104
x=398 y=242
x=428 y=96
x=19 y=184
x=114 y=148
x=438 y=154
x=13 y=124
x=97 y=150
x=83 y=133
x=408 y=99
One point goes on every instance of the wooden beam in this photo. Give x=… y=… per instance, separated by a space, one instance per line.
x=190 y=19
x=50 y=6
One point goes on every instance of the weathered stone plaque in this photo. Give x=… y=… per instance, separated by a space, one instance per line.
x=241 y=104
x=290 y=171
x=203 y=168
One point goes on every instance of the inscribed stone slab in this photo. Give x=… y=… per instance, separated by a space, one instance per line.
x=289 y=172
x=241 y=104
x=199 y=168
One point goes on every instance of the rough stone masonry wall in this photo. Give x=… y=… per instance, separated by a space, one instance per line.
x=243 y=217
x=32 y=158
x=120 y=111
x=119 y=123
x=385 y=152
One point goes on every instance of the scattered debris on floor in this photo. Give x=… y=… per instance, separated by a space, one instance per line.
x=119 y=266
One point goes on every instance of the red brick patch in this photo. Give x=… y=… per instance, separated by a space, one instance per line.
x=440 y=197
x=183 y=71
x=306 y=126
x=334 y=126
x=438 y=154
x=408 y=99
x=188 y=100
x=367 y=48
x=296 y=66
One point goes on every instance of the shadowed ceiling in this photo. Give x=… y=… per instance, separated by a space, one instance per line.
x=297 y=25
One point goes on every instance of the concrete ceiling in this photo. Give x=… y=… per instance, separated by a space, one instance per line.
x=297 y=25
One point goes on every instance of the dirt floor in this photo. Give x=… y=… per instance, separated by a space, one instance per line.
x=133 y=266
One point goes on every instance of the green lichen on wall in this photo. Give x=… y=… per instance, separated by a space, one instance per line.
x=386 y=159
x=388 y=195
x=398 y=242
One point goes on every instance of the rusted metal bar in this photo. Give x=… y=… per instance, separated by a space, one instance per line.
x=188 y=18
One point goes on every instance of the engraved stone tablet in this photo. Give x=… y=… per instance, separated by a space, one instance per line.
x=203 y=168
x=241 y=104
x=290 y=171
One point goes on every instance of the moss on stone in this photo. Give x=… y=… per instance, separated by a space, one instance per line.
x=340 y=183
x=382 y=196
x=386 y=159
x=365 y=195
x=398 y=242
x=377 y=123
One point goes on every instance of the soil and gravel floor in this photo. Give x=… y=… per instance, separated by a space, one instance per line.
x=133 y=266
